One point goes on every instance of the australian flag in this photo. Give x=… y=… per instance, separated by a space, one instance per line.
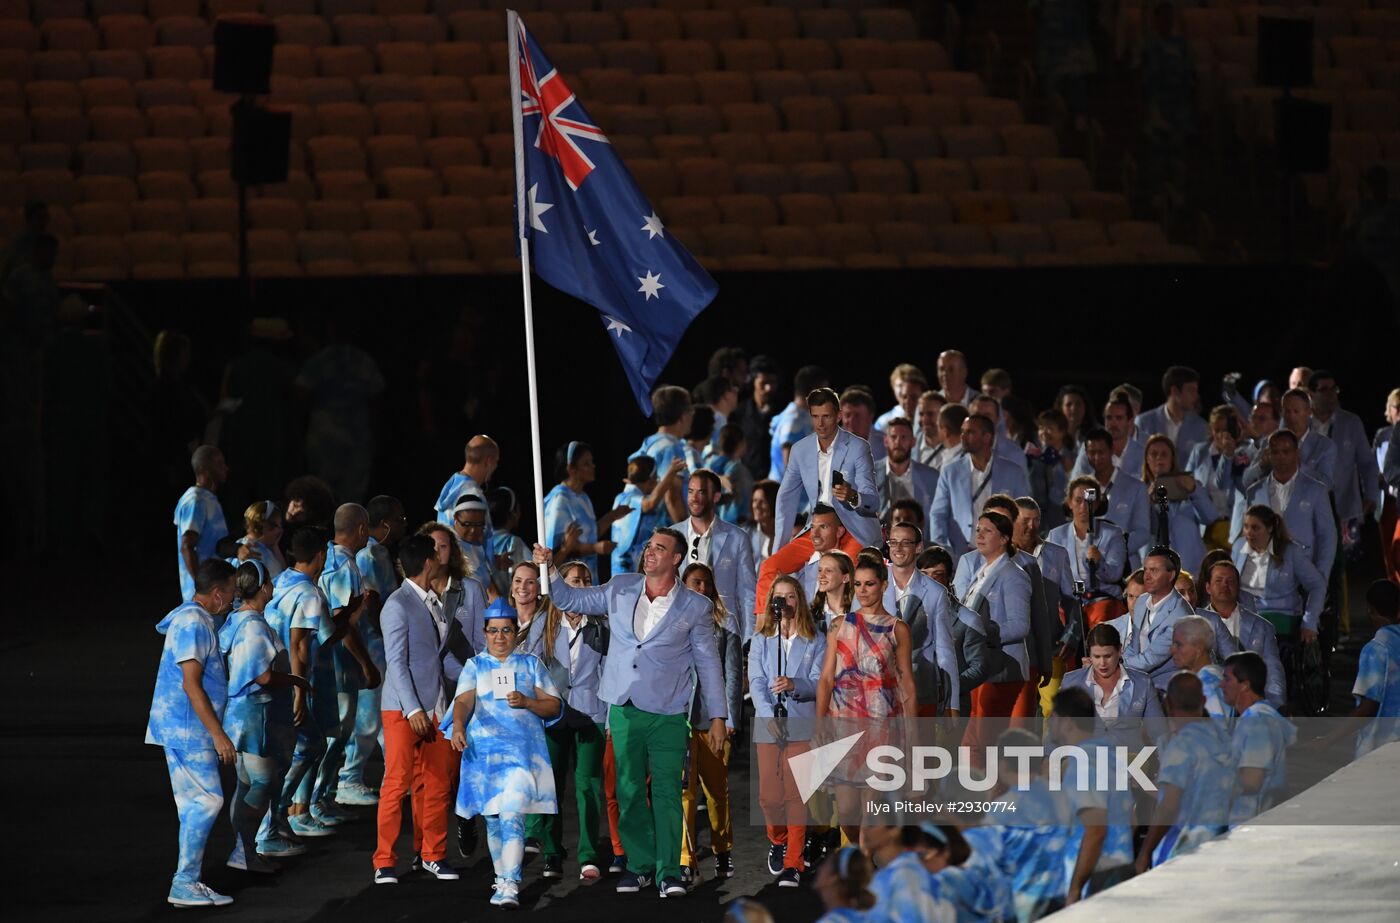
x=592 y=232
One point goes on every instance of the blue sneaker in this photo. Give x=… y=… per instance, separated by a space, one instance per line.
x=618 y=866
x=631 y=883
x=385 y=876
x=328 y=814
x=197 y=895
x=279 y=846
x=307 y=825
x=356 y=793
x=776 y=855
x=440 y=870
x=672 y=887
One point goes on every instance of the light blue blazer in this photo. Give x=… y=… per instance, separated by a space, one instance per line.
x=1111 y=543
x=658 y=674
x=1186 y=520
x=926 y=609
x=954 y=515
x=1150 y=651
x=413 y=655
x=1007 y=602
x=1193 y=432
x=1131 y=464
x=1308 y=517
x=1138 y=705
x=580 y=680
x=731 y=559
x=1217 y=471
x=1257 y=635
x=803 y=666
x=1292 y=586
x=925 y=480
x=850 y=455
x=1356 y=471
x=1317 y=456
x=1127 y=509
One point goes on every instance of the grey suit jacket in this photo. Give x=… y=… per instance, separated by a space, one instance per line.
x=414 y=673
x=1142 y=707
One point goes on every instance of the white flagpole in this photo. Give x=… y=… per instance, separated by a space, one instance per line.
x=536 y=454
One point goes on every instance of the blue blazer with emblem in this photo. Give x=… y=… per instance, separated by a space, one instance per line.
x=731 y=559
x=1292 y=585
x=803 y=665
x=1308 y=517
x=1257 y=635
x=952 y=520
x=414 y=672
x=1131 y=464
x=657 y=674
x=1137 y=703
x=1317 y=457
x=1356 y=471
x=1192 y=433
x=1150 y=651
x=850 y=455
x=926 y=610
x=925 y=481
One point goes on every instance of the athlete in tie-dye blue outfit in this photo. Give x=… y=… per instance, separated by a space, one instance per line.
x=258 y=717
x=506 y=772
x=188 y=724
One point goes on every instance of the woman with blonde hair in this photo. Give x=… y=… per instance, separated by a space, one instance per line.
x=525 y=599
x=262 y=521
x=572 y=647
x=708 y=768
x=785 y=665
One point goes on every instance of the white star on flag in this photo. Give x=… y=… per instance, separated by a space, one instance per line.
x=615 y=324
x=537 y=209
x=653 y=227
x=651 y=285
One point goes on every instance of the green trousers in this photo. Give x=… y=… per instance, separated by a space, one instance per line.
x=585 y=746
x=648 y=745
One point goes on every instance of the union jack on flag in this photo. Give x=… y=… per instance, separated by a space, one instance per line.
x=591 y=232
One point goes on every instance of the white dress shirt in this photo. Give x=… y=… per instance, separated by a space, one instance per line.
x=702 y=547
x=1280 y=493
x=1107 y=705
x=573 y=639
x=978 y=479
x=824 y=472
x=976 y=584
x=1232 y=622
x=1148 y=618
x=650 y=612
x=1255 y=575
x=434 y=604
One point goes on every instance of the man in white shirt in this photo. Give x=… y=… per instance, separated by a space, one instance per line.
x=1147 y=629
x=417 y=758
x=899 y=477
x=949 y=430
x=1254 y=633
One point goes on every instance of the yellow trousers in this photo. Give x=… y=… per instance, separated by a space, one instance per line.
x=711 y=771
x=1047 y=692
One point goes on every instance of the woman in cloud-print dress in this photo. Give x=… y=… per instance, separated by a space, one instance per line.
x=499 y=730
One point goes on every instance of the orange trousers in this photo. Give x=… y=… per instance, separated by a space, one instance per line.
x=992 y=701
x=427 y=771
x=610 y=794
x=783 y=809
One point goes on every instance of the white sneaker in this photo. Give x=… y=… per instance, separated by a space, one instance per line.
x=356 y=793
x=507 y=893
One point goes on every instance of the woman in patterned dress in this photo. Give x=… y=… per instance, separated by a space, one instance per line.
x=867 y=681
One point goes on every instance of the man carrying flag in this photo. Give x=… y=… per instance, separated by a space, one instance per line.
x=588 y=231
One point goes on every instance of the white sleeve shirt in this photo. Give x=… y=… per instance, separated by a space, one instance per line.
x=824 y=472
x=1256 y=570
x=1108 y=704
x=650 y=612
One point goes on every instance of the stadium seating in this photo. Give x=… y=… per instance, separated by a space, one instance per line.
x=779 y=135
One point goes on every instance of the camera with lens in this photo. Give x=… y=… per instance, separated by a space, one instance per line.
x=778 y=609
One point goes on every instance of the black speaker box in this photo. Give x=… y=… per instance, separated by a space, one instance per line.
x=243 y=55
x=1285 y=52
x=261 y=144
x=1303 y=129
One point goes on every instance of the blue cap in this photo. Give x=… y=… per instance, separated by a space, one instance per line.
x=500 y=609
x=934 y=831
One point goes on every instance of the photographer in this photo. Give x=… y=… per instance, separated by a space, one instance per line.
x=1097 y=548
x=785 y=663
x=1189 y=510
